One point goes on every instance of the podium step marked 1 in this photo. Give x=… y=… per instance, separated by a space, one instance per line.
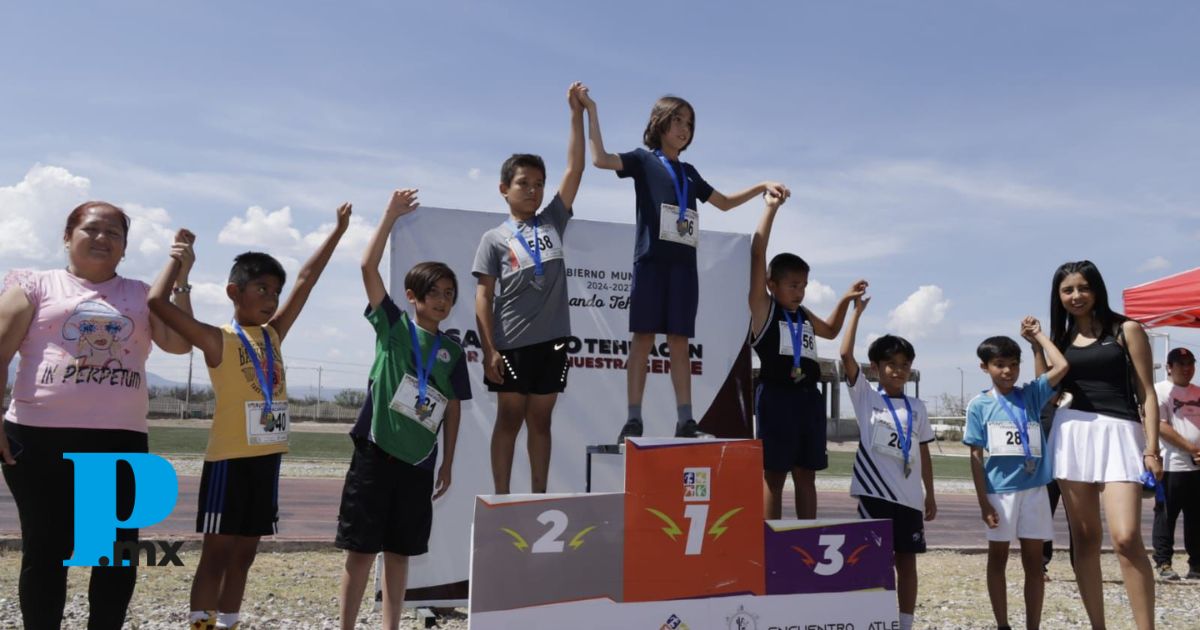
x=684 y=547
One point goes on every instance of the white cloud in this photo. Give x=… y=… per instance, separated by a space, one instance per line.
x=148 y=231
x=352 y=243
x=974 y=185
x=261 y=229
x=1154 y=264
x=819 y=294
x=919 y=313
x=33 y=211
x=209 y=294
x=274 y=232
x=473 y=173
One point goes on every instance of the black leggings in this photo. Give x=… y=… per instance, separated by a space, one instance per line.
x=42 y=484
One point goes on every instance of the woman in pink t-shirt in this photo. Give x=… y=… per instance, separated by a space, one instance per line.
x=83 y=334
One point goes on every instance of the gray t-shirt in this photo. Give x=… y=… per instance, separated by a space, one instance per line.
x=524 y=313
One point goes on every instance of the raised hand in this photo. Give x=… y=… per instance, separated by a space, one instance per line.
x=1030 y=328
x=777 y=189
x=584 y=98
x=343 y=216
x=773 y=201
x=857 y=291
x=182 y=251
x=573 y=96
x=403 y=202
x=860 y=302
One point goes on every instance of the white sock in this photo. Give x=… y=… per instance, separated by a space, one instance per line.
x=226 y=620
x=906 y=621
x=198 y=615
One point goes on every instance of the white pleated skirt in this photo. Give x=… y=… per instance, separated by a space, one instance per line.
x=1095 y=448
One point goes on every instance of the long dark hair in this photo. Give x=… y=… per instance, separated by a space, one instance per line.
x=665 y=108
x=1062 y=325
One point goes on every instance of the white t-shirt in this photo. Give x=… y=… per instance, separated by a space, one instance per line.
x=1181 y=407
x=878 y=471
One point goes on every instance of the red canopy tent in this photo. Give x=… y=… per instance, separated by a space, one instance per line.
x=1170 y=301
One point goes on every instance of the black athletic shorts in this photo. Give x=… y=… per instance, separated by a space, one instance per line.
x=240 y=497
x=540 y=368
x=908 y=525
x=387 y=504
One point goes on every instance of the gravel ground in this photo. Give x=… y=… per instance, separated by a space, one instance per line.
x=299 y=590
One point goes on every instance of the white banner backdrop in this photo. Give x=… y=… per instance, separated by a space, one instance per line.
x=593 y=408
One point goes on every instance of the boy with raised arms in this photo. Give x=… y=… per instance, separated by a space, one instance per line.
x=239 y=484
x=788 y=404
x=417 y=383
x=889 y=479
x=521 y=304
x=1010 y=482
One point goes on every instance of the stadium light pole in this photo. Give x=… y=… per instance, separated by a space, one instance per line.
x=962 y=403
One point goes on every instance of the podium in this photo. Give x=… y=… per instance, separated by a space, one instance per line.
x=684 y=547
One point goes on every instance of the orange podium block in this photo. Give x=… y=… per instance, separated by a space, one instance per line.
x=693 y=519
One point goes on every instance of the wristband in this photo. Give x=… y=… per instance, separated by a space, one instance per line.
x=183 y=288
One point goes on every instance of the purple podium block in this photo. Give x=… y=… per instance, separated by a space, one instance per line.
x=829 y=556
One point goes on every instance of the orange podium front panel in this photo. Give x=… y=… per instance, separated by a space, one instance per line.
x=693 y=518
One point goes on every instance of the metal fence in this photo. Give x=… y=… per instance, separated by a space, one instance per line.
x=168 y=407
x=948 y=428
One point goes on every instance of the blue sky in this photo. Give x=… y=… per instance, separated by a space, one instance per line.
x=951 y=153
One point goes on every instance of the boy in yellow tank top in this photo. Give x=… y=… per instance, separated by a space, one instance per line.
x=239 y=487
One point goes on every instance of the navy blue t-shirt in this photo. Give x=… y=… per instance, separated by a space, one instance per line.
x=654 y=187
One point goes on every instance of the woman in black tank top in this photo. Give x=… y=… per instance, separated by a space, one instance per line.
x=1110 y=382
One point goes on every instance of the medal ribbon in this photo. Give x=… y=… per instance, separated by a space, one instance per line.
x=423 y=368
x=905 y=438
x=797 y=331
x=1022 y=422
x=535 y=252
x=681 y=189
x=265 y=379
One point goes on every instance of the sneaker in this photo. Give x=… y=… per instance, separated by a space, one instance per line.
x=1193 y=574
x=205 y=624
x=689 y=429
x=632 y=428
x=1165 y=572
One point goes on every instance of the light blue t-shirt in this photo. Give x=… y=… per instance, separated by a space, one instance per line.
x=1007 y=473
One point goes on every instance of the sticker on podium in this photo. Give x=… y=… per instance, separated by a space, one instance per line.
x=530 y=550
x=828 y=556
x=693 y=518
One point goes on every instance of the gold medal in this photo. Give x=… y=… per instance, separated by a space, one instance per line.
x=797 y=374
x=424 y=411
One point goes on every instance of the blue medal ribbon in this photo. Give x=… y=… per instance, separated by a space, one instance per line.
x=904 y=438
x=797 y=331
x=535 y=252
x=423 y=368
x=265 y=379
x=1022 y=423
x=680 y=182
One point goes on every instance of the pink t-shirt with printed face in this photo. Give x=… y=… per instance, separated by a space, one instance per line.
x=83 y=360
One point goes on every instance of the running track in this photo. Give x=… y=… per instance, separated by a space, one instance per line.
x=308 y=512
